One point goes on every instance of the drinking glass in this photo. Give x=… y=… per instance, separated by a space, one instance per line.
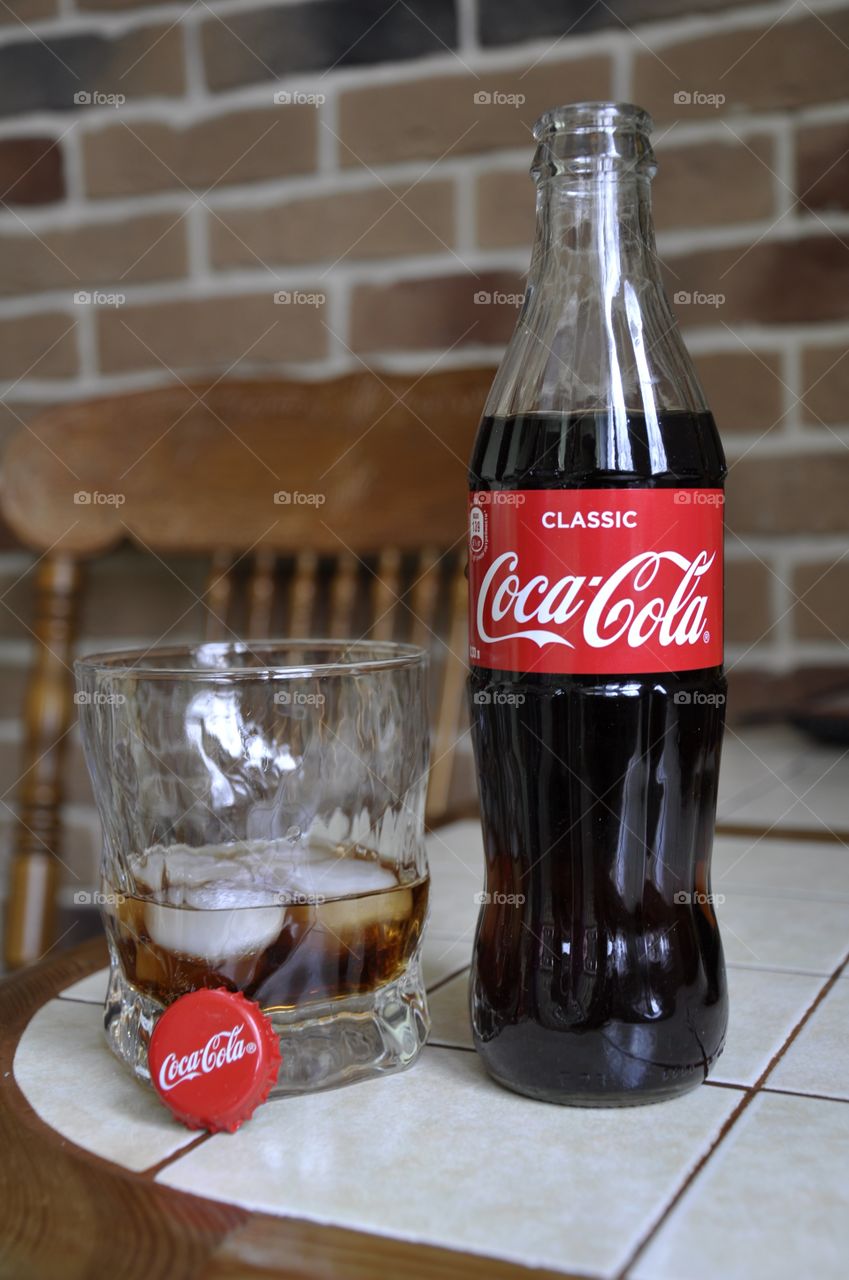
x=262 y=807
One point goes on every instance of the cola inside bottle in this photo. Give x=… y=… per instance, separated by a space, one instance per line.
x=598 y=975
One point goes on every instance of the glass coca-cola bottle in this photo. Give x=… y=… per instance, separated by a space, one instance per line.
x=597 y=689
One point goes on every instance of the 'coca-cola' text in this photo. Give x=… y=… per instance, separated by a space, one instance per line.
x=220 y=1049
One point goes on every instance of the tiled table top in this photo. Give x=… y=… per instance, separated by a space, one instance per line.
x=742 y=1178
x=775 y=778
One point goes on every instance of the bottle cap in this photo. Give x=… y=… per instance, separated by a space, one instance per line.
x=213 y=1058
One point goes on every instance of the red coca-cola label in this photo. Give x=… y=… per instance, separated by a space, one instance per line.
x=595 y=581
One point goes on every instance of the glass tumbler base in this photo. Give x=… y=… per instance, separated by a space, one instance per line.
x=325 y=1045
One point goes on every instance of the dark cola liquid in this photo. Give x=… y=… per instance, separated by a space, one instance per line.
x=347 y=926
x=598 y=973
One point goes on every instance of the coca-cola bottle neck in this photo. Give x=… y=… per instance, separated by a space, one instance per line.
x=607 y=220
x=596 y=331
x=593 y=169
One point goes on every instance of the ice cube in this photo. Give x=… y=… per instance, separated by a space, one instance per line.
x=354 y=893
x=215 y=935
x=217 y=901
x=333 y=877
x=253 y=873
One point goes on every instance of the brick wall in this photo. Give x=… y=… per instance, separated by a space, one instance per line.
x=196 y=159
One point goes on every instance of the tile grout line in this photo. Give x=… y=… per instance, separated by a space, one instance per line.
x=777 y=1092
x=816 y=835
x=154 y=1169
x=748 y=1097
x=443 y=982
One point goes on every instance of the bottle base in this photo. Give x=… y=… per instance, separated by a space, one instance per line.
x=328 y=1045
x=593 y=1100
x=657 y=1085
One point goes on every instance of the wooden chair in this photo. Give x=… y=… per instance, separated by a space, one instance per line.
x=333 y=508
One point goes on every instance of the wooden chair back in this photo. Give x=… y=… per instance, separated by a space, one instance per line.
x=333 y=508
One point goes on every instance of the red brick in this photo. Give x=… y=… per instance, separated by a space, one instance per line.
x=713 y=183
x=803 y=59
x=798 y=493
x=747 y=601
x=743 y=390
x=209 y=333
x=149 y=247
x=42 y=346
x=434 y=313
x=505 y=209
x=25 y=11
x=825 y=378
x=777 y=282
x=435 y=116
x=371 y=223
x=31 y=171
x=59 y=72
x=272 y=42
x=822 y=166
x=822 y=613
x=242 y=146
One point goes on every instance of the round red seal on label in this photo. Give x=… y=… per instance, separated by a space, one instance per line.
x=213 y=1059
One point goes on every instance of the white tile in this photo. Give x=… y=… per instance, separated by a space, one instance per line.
x=68 y=1075
x=755 y=762
x=91 y=989
x=457 y=848
x=771 y=1201
x=816 y=1062
x=449 y=1012
x=455 y=856
x=441 y=1154
x=763 y=865
x=805 y=936
x=456 y=862
x=809 y=791
x=822 y=788
x=764 y=1007
x=821 y=810
x=441 y=957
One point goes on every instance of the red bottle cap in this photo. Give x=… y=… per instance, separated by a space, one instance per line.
x=213 y=1058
